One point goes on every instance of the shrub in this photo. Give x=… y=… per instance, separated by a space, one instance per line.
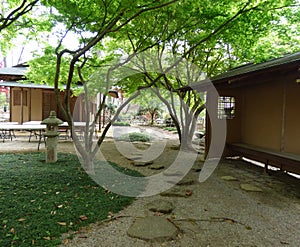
x=171 y=129
x=134 y=137
x=120 y=124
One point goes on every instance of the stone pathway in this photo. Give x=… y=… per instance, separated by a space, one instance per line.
x=160 y=206
x=250 y=188
x=153 y=228
x=163 y=226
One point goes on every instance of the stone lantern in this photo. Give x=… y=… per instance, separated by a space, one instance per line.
x=51 y=133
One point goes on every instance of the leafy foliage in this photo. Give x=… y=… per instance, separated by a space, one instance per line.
x=134 y=137
x=212 y=35
x=170 y=128
x=120 y=124
x=42 y=69
x=149 y=104
x=22 y=18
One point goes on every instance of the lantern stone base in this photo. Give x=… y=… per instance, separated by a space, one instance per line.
x=52 y=123
x=51 y=149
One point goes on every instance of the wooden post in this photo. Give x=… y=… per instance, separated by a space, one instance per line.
x=22 y=110
x=283 y=117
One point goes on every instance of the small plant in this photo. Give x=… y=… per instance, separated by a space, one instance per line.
x=120 y=124
x=170 y=129
x=134 y=137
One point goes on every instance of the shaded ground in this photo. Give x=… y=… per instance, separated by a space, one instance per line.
x=217 y=212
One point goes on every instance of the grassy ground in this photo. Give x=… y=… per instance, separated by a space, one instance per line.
x=40 y=201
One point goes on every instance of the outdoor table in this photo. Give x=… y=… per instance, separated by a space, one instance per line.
x=32 y=122
x=34 y=129
x=4 y=132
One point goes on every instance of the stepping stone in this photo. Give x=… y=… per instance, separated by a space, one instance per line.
x=196 y=169
x=197 y=166
x=175 y=147
x=139 y=163
x=229 y=178
x=184 y=181
x=134 y=157
x=160 y=206
x=156 y=167
x=250 y=188
x=136 y=154
x=153 y=228
x=177 y=192
x=173 y=173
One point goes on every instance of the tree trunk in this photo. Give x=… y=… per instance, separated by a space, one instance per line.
x=186 y=138
x=152 y=118
x=88 y=164
x=187 y=131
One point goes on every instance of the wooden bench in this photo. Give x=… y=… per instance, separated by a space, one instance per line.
x=285 y=161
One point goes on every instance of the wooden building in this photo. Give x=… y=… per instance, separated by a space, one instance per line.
x=261 y=105
x=30 y=101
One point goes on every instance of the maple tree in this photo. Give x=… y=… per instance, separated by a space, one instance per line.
x=108 y=35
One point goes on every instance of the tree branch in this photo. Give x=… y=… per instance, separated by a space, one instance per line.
x=15 y=14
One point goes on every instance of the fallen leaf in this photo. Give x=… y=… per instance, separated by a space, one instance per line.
x=21 y=219
x=47 y=238
x=283 y=242
x=83 y=217
x=62 y=223
x=66 y=241
x=82 y=236
x=60 y=206
x=12 y=230
x=229 y=220
x=188 y=193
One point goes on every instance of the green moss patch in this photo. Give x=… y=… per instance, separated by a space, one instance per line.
x=40 y=201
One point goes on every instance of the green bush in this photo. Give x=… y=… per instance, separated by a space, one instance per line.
x=120 y=124
x=170 y=129
x=134 y=137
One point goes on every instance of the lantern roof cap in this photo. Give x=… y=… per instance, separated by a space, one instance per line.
x=52 y=119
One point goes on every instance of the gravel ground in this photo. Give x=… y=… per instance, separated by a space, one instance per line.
x=218 y=213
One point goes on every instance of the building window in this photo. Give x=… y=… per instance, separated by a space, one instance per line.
x=20 y=97
x=17 y=97
x=226 y=107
